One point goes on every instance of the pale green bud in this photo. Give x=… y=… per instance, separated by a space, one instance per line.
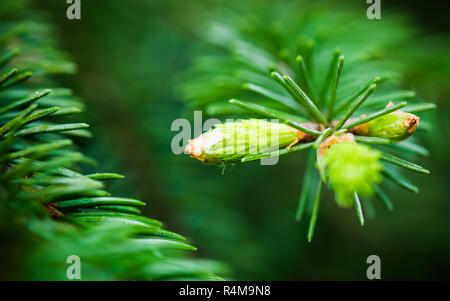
x=231 y=141
x=351 y=168
x=395 y=126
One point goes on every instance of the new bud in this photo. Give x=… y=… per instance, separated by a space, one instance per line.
x=229 y=142
x=350 y=168
x=395 y=126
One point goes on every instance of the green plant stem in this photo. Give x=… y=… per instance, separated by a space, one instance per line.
x=307 y=77
x=358 y=208
x=423 y=107
x=372 y=140
x=306 y=187
x=404 y=163
x=286 y=101
x=7 y=75
x=322 y=137
x=317 y=143
x=355 y=105
x=375 y=115
x=401 y=181
x=326 y=84
x=334 y=86
x=301 y=97
x=344 y=104
x=312 y=222
x=254 y=108
x=384 y=198
x=284 y=151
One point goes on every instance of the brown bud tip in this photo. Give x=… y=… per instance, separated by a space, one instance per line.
x=347 y=137
x=390 y=103
x=195 y=149
x=304 y=137
x=411 y=122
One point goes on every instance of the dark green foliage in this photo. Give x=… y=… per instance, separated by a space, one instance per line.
x=49 y=210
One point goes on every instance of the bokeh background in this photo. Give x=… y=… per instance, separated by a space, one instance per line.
x=131 y=57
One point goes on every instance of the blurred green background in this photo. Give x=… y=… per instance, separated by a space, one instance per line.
x=130 y=56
